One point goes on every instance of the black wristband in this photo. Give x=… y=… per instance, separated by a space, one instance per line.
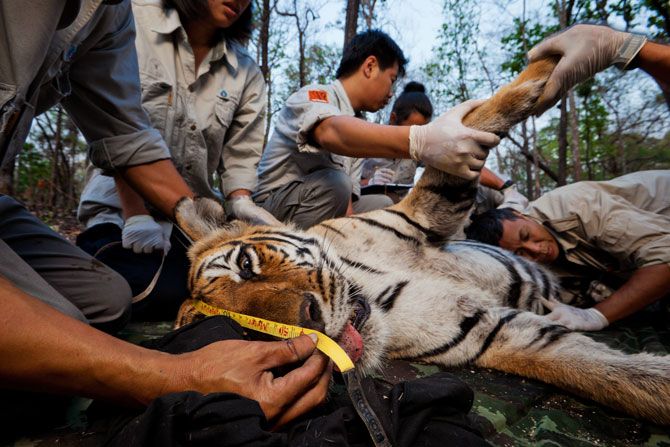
x=507 y=184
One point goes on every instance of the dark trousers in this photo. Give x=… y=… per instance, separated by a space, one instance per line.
x=46 y=266
x=104 y=243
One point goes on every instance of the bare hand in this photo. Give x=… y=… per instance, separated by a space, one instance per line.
x=244 y=368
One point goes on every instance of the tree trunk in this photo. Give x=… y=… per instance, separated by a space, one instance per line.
x=264 y=48
x=574 y=129
x=528 y=164
x=264 y=39
x=302 y=66
x=351 y=20
x=562 y=139
x=536 y=164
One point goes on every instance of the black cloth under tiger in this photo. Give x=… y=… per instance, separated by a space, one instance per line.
x=431 y=411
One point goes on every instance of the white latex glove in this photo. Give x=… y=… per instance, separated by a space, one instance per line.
x=446 y=144
x=382 y=176
x=512 y=198
x=143 y=234
x=245 y=209
x=575 y=318
x=599 y=291
x=585 y=50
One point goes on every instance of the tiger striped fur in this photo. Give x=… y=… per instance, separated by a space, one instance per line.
x=391 y=279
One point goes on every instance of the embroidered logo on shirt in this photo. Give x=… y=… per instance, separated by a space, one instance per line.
x=317 y=95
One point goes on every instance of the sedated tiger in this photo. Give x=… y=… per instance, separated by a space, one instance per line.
x=389 y=284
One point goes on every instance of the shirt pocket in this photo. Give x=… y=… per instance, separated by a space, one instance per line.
x=224 y=114
x=157 y=98
x=224 y=109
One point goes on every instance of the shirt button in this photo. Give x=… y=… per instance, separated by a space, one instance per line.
x=193 y=127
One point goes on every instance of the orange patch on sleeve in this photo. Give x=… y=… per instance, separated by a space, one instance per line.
x=317 y=95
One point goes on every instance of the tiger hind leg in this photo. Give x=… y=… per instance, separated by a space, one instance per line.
x=529 y=345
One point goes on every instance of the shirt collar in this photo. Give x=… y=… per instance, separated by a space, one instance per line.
x=225 y=49
x=345 y=103
x=168 y=22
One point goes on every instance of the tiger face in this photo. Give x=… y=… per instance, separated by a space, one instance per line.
x=285 y=276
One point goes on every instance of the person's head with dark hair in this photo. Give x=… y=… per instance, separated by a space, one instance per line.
x=412 y=107
x=516 y=232
x=370 y=64
x=230 y=20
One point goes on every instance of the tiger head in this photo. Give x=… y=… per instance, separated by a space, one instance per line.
x=280 y=274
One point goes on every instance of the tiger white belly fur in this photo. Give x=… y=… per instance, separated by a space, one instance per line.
x=391 y=279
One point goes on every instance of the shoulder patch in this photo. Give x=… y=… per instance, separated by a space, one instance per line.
x=317 y=95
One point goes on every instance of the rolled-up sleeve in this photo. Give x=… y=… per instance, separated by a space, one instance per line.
x=308 y=113
x=244 y=140
x=105 y=101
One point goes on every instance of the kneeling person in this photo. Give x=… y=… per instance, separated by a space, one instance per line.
x=310 y=169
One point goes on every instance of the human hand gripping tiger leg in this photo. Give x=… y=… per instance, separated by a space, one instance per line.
x=442 y=201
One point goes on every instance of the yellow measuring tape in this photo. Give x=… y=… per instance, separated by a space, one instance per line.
x=324 y=343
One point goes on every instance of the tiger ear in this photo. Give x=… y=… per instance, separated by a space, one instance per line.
x=199 y=217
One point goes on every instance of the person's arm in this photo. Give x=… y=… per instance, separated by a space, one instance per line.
x=585 y=50
x=353 y=137
x=637 y=238
x=445 y=143
x=511 y=197
x=105 y=103
x=645 y=286
x=159 y=183
x=141 y=232
x=654 y=59
x=132 y=204
x=491 y=179
x=45 y=350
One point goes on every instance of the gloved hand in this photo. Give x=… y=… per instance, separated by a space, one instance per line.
x=382 y=176
x=446 y=144
x=575 y=318
x=245 y=209
x=512 y=198
x=599 y=291
x=143 y=234
x=585 y=50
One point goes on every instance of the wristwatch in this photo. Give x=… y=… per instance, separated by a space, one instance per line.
x=631 y=46
x=507 y=184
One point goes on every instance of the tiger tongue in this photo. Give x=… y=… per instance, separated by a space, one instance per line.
x=352 y=342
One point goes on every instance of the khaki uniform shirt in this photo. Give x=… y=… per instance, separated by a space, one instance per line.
x=89 y=65
x=614 y=226
x=290 y=154
x=213 y=121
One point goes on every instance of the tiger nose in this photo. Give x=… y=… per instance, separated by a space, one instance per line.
x=310 y=313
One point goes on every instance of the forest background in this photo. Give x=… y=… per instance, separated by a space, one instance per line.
x=616 y=123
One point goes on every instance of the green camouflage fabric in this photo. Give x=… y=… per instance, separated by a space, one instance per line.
x=508 y=410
